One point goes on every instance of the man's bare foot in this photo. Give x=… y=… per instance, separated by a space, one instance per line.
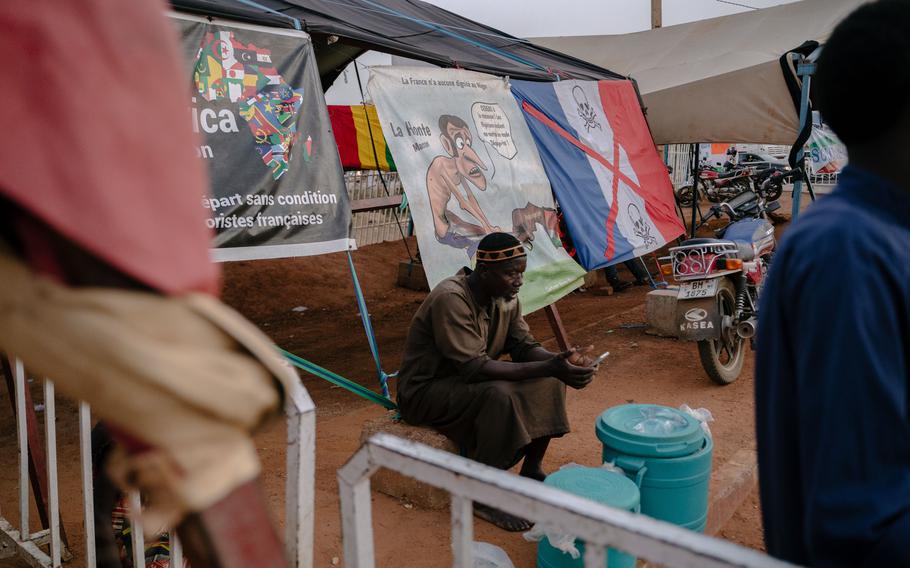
x=536 y=474
x=501 y=519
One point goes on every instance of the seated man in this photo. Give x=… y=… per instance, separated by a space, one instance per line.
x=497 y=411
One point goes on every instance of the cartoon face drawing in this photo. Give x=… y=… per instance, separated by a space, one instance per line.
x=585 y=111
x=640 y=227
x=456 y=139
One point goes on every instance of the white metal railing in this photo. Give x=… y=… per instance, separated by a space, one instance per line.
x=597 y=525
x=24 y=540
x=371 y=227
x=301 y=476
x=85 y=461
x=300 y=485
x=824 y=179
x=677 y=157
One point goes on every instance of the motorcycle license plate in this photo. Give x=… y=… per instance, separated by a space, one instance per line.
x=697 y=289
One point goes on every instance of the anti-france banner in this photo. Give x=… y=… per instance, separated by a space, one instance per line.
x=469 y=167
x=277 y=187
x=598 y=152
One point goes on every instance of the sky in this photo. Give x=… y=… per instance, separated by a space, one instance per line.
x=538 y=18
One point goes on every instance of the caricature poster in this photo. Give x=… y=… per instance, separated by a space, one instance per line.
x=470 y=167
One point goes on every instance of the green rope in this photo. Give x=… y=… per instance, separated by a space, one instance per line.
x=338 y=380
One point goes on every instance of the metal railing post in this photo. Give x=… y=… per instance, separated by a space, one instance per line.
x=356 y=512
x=462 y=531
x=53 y=498
x=176 y=550
x=88 y=492
x=136 y=531
x=595 y=556
x=805 y=70
x=19 y=380
x=301 y=477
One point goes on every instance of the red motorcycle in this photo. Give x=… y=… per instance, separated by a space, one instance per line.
x=715 y=185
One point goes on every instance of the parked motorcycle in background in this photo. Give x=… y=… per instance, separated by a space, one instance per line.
x=769 y=183
x=720 y=280
x=716 y=183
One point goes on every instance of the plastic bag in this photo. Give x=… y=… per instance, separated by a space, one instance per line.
x=656 y=420
x=703 y=415
x=563 y=542
x=487 y=555
x=611 y=466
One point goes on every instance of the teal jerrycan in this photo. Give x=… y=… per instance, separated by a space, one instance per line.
x=668 y=456
x=599 y=485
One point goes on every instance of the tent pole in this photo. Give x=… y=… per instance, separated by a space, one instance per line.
x=656 y=14
x=695 y=149
x=559 y=331
x=805 y=70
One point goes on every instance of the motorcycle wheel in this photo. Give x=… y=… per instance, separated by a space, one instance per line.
x=684 y=195
x=723 y=358
x=774 y=192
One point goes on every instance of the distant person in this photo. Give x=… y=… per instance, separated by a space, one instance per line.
x=498 y=412
x=731 y=159
x=833 y=359
x=636 y=268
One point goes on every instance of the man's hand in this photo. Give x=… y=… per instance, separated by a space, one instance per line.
x=575 y=376
x=579 y=356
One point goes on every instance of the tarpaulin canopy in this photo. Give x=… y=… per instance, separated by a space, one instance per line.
x=342 y=29
x=716 y=80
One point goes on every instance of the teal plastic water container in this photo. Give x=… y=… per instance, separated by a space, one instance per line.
x=668 y=456
x=598 y=485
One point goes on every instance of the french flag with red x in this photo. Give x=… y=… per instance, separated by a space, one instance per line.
x=596 y=148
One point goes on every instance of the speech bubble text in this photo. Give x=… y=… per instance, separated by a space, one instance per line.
x=493 y=128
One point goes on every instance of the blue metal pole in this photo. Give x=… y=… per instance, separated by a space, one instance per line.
x=805 y=71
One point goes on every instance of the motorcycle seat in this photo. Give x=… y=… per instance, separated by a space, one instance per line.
x=731 y=173
x=756 y=233
x=745 y=250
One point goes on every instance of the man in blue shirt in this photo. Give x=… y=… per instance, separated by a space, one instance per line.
x=833 y=359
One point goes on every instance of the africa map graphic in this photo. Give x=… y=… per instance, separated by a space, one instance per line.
x=226 y=69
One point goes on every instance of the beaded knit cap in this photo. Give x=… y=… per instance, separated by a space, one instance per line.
x=499 y=247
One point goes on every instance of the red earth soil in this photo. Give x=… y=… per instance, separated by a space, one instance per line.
x=307 y=306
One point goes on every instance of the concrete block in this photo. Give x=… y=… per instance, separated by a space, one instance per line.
x=596 y=279
x=400 y=486
x=602 y=291
x=731 y=485
x=412 y=276
x=660 y=311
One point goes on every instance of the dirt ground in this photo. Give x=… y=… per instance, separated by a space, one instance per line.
x=307 y=306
